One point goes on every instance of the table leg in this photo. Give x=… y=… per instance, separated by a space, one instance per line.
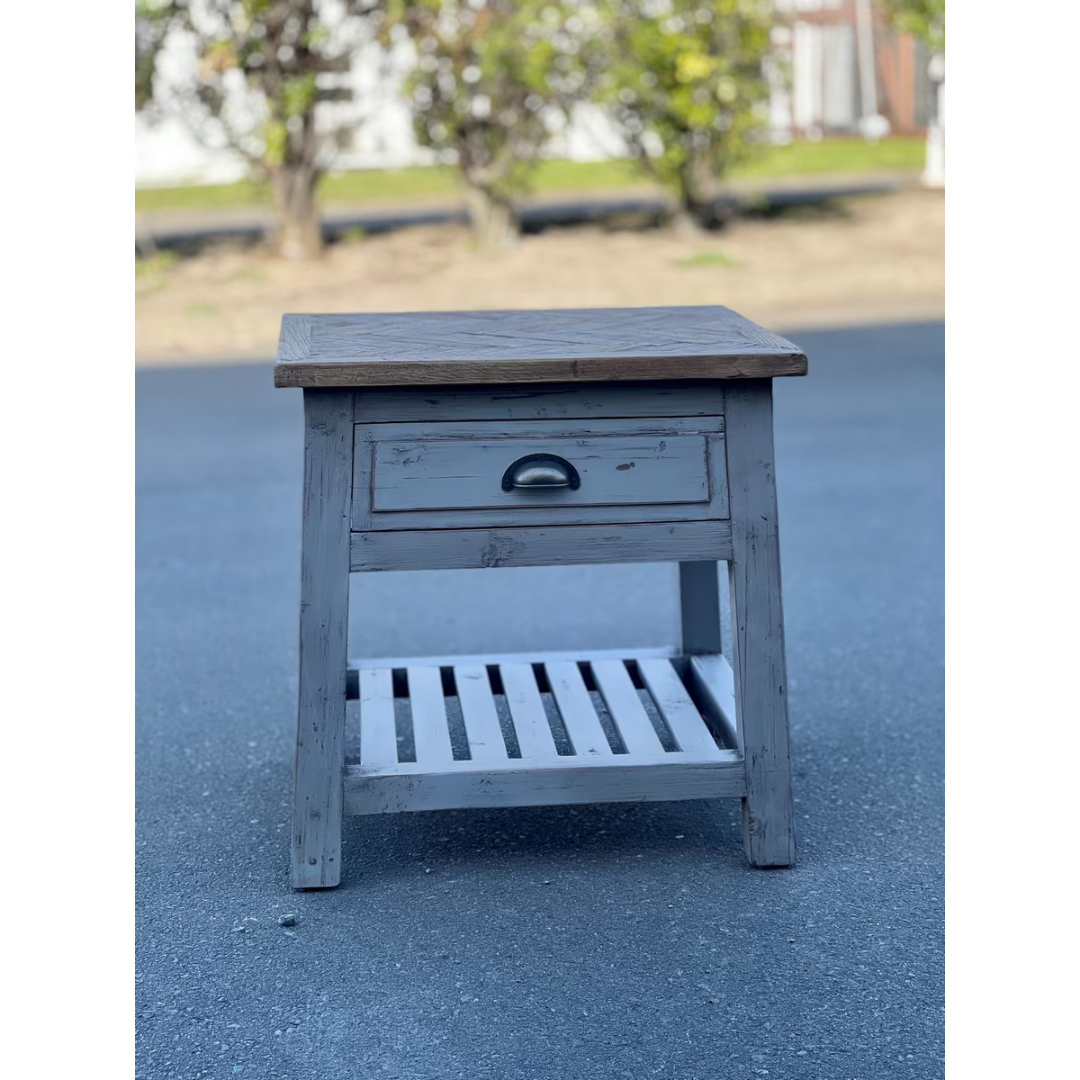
x=324 y=619
x=758 y=626
x=699 y=607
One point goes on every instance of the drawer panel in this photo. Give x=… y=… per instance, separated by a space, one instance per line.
x=454 y=475
x=459 y=474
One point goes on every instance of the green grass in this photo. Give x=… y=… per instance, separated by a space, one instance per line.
x=709 y=258
x=418 y=182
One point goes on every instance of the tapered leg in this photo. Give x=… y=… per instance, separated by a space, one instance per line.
x=699 y=601
x=324 y=619
x=758 y=626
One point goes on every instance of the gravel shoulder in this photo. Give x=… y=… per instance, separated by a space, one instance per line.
x=874 y=259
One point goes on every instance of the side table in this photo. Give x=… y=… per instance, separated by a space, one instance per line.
x=452 y=440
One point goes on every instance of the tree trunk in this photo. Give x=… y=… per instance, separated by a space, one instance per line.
x=697 y=197
x=297 y=227
x=494 y=219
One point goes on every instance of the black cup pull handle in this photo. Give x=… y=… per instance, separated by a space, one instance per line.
x=540 y=472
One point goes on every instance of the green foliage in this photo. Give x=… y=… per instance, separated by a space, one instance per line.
x=924 y=19
x=490 y=77
x=686 y=83
x=279 y=49
x=261 y=70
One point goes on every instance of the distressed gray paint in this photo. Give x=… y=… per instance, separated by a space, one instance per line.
x=699 y=604
x=715 y=436
x=528 y=783
x=758 y=628
x=714 y=681
x=378 y=734
x=324 y=617
x=622 y=702
x=527 y=711
x=431 y=736
x=551 y=401
x=463 y=549
x=423 y=476
x=678 y=710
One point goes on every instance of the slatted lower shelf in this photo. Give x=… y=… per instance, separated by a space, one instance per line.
x=609 y=728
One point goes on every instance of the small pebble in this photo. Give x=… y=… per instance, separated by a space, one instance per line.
x=287 y=920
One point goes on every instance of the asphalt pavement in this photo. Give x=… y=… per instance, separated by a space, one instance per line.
x=577 y=943
x=187 y=227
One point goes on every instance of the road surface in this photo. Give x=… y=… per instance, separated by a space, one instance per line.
x=578 y=943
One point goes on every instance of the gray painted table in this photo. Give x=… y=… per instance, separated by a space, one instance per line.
x=486 y=439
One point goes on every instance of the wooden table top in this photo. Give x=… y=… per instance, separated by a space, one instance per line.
x=477 y=347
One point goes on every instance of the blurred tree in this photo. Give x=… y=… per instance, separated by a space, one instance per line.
x=924 y=19
x=262 y=68
x=491 y=76
x=685 y=82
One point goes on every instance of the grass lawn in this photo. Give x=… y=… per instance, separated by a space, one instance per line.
x=417 y=182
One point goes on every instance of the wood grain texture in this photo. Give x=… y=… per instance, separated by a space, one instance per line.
x=527 y=783
x=440 y=348
x=545 y=401
x=324 y=617
x=461 y=549
x=294 y=343
x=758 y=628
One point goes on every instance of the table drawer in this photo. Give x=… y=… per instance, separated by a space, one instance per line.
x=490 y=474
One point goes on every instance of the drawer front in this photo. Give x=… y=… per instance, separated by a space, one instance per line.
x=461 y=475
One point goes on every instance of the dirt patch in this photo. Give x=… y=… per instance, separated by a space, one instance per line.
x=863 y=260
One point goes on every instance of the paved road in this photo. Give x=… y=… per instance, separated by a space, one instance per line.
x=574 y=943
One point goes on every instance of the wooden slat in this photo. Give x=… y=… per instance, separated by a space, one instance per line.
x=561 y=781
x=576 y=709
x=481 y=717
x=679 y=712
x=461 y=549
x=622 y=701
x=378 y=735
x=430 y=731
x=527 y=711
x=715 y=682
